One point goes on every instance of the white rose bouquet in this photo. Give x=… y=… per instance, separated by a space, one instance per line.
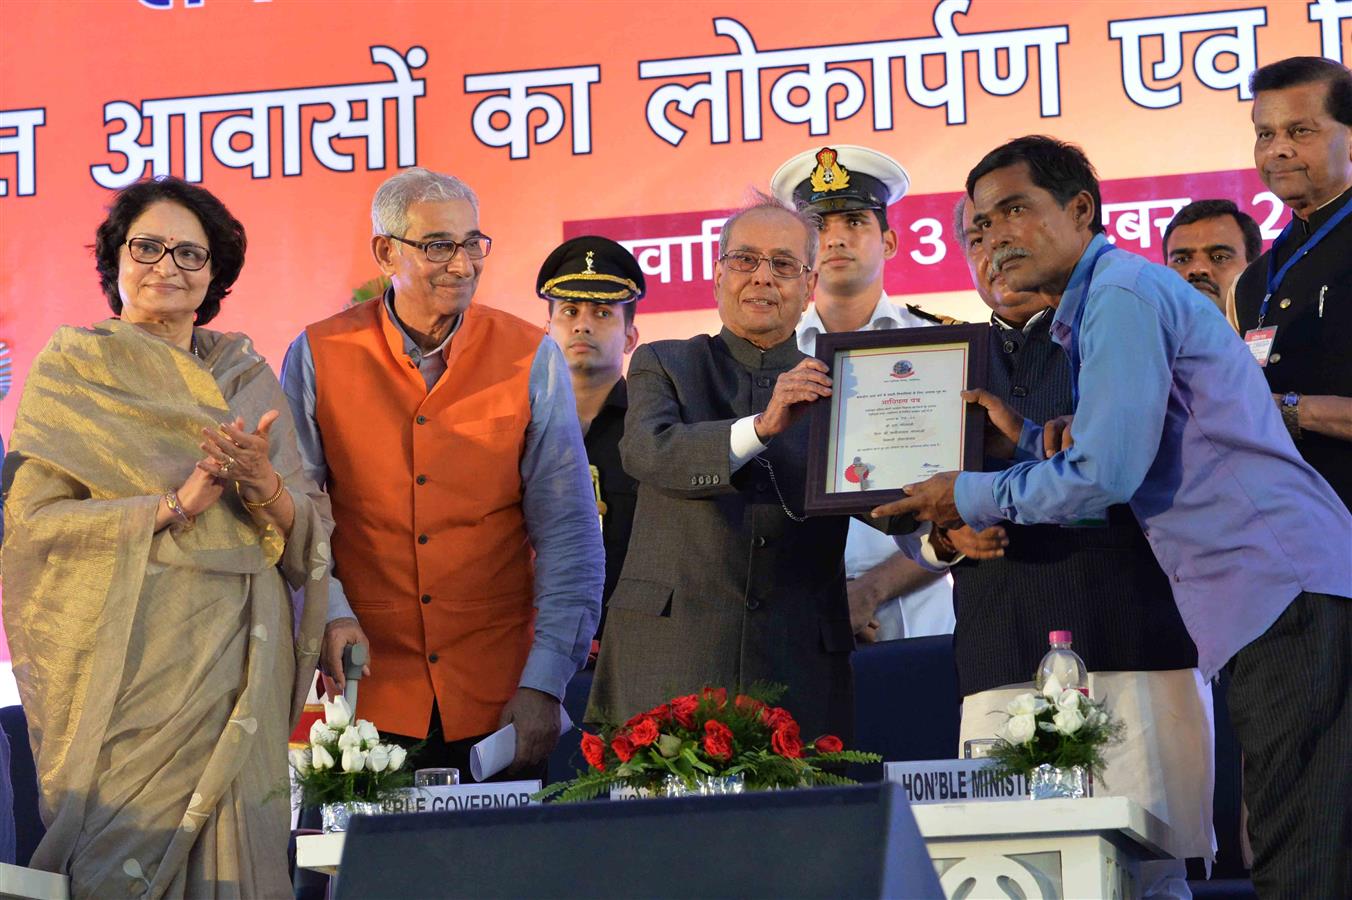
x=1059 y=727
x=346 y=761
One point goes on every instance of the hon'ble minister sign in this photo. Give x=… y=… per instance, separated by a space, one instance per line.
x=953 y=781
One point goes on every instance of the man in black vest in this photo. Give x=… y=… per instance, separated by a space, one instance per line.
x=1302 y=116
x=1302 y=290
x=1100 y=583
x=593 y=286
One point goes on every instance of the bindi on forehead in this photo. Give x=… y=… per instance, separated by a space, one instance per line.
x=170 y=239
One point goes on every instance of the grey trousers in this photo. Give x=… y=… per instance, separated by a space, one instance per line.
x=1291 y=707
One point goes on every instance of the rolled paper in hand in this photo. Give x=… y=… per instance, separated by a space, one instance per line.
x=496 y=752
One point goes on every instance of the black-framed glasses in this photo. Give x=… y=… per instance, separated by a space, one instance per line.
x=188 y=257
x=476 y=247
x=780 y=266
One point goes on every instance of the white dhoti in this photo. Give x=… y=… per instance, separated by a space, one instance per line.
x=1166 y=759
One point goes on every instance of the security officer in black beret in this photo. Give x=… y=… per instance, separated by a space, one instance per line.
x=592 y=285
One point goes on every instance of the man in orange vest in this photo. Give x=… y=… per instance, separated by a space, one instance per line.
x=465 y=545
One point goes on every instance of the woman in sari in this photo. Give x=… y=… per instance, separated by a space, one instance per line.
x=157 y=522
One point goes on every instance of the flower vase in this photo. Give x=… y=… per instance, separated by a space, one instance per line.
x=1048 y=782
x=336 y=816
x=704 y=786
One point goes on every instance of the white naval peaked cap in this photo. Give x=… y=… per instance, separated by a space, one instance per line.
x=840 y=177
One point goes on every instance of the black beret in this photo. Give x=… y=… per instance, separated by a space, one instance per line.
x=593 y=269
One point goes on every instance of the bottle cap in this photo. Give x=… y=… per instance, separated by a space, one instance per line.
x=1059 y=637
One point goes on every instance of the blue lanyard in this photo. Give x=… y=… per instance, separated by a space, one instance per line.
x=1075 y=327
x=1274 y=278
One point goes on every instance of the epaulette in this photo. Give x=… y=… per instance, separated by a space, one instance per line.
x=933 y=317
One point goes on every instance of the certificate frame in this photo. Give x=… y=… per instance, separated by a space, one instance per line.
x=898 y=342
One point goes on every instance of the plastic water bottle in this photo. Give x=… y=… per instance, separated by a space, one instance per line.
x=1063 y=664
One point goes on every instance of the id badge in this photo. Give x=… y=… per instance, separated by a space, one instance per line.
x=1259 y=342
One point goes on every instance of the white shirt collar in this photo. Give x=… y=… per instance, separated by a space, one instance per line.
x=1027 y=326
x=886 y=314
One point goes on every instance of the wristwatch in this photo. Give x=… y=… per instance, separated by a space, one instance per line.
x=1291 y=413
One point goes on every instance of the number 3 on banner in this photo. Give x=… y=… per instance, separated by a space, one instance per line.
x=934 y=238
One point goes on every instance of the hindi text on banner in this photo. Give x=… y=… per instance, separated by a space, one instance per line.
x=803 y=95
x=253 y=117
x=525 y=94
x=22 y=145
x=1236 y=37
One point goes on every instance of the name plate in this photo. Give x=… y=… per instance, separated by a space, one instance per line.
x=461 y=797
x=953 y=781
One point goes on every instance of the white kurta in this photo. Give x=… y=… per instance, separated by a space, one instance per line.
x=1167 y=759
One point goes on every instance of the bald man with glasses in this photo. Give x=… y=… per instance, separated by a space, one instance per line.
x=726 y=583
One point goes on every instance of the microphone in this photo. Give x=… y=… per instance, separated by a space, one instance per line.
x=355 y=657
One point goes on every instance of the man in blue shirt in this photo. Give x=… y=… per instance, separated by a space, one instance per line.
x=1173 y=418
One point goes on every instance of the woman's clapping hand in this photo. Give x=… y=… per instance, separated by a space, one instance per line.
x=236 y=455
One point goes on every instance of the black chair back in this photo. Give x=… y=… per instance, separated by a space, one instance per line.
x=24 y=778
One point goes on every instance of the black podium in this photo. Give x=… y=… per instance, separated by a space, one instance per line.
x=841 y=842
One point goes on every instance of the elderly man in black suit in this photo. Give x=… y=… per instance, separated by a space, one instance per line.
x=726 y=583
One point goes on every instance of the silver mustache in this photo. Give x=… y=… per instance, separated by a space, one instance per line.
x=1004 y=255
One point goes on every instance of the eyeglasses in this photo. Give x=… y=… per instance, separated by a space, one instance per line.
x=188 y=257
x=780 y=266
x=476 y=247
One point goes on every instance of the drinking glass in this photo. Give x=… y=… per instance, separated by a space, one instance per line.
x=433 y=777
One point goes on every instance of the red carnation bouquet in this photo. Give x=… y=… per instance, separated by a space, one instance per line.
x=711 y=734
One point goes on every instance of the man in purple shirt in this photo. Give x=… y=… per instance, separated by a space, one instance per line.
x=1173 y=417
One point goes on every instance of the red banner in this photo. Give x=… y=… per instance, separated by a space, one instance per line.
x=678 y=250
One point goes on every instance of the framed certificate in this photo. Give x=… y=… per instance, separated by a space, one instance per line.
x=895 y=415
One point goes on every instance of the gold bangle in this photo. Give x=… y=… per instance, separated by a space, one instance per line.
x=170 y=499
x=281 y=486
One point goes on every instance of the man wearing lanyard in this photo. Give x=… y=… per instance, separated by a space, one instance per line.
x=1173 y=418
x=1294 y=307
x=849 y=189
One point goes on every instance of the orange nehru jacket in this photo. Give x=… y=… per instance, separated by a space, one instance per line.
x=430 y=540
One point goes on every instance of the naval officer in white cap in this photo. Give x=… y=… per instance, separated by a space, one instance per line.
x=850 y=189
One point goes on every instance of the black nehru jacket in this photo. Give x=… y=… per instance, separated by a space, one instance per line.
x=619 y=492
x=1102 y=584
x=1312 y=353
